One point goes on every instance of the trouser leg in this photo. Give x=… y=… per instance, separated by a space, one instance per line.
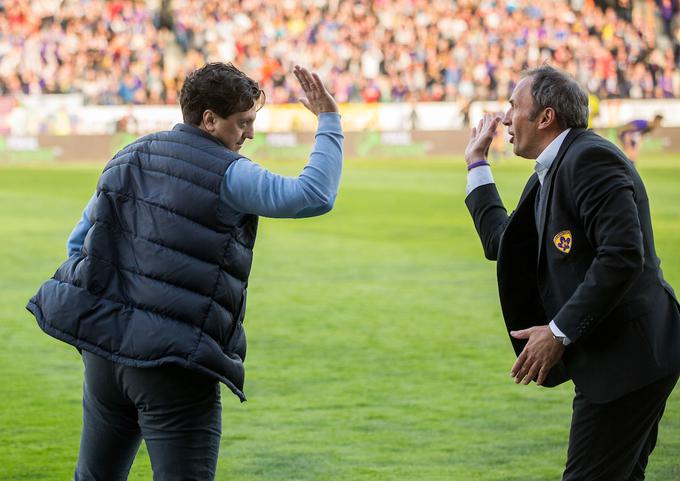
x=638 y=473
x=612 y=441
x=110 y=437
x=180 y=416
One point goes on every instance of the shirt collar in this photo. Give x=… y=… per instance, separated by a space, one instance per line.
x=545 y=159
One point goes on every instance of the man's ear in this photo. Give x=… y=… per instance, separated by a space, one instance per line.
x=548 y=118
x=208 y=121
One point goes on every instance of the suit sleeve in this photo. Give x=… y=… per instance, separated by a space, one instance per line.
x=604 y=200
x=490 y=217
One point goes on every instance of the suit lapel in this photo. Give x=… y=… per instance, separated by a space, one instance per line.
x=532 y=184
x=547 y=188
x=524 y=215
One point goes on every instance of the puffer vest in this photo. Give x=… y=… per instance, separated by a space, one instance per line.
x=162 y=275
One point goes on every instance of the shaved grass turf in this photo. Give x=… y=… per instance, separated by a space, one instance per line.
x=376 y=346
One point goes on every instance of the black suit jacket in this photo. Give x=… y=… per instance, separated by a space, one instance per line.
x=590 y=265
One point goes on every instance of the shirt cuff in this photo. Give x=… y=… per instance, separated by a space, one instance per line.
x=329 y=121
x=479 y=176
x=556 y=331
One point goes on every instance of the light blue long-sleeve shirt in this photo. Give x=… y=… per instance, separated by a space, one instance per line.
x=252 y=189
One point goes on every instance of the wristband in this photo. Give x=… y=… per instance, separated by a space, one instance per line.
x=477 y=164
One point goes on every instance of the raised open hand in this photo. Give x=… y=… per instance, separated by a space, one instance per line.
x=317 y=99
x=481 y=138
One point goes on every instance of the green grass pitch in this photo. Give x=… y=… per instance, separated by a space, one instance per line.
x=376 y=346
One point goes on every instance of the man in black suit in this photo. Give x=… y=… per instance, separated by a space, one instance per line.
x=579 y=281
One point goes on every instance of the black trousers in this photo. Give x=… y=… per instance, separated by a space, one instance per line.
x=177 y=412
x=612 y=441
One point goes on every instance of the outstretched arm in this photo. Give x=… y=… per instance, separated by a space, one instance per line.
x=252 y=189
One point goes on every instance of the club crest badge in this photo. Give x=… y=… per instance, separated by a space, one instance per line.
x=563 y=241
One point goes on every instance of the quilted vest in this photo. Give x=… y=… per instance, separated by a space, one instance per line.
x=162 y=275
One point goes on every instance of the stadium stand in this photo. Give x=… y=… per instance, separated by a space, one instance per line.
x=137 y=52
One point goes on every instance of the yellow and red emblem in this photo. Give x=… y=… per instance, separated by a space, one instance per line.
x=562 y=241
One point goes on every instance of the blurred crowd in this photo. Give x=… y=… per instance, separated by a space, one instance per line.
x=138 y=51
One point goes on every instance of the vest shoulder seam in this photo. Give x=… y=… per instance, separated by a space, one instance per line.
x=144 y=168
x=134 y=147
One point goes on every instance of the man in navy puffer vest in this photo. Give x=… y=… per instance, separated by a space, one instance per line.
x=153 y=292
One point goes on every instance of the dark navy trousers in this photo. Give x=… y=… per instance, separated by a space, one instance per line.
x=177 y=412
x=612 y=441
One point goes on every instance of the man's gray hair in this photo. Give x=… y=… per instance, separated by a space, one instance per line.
x=558 y=90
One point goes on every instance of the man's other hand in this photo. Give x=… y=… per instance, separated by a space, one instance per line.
x=539 y=355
